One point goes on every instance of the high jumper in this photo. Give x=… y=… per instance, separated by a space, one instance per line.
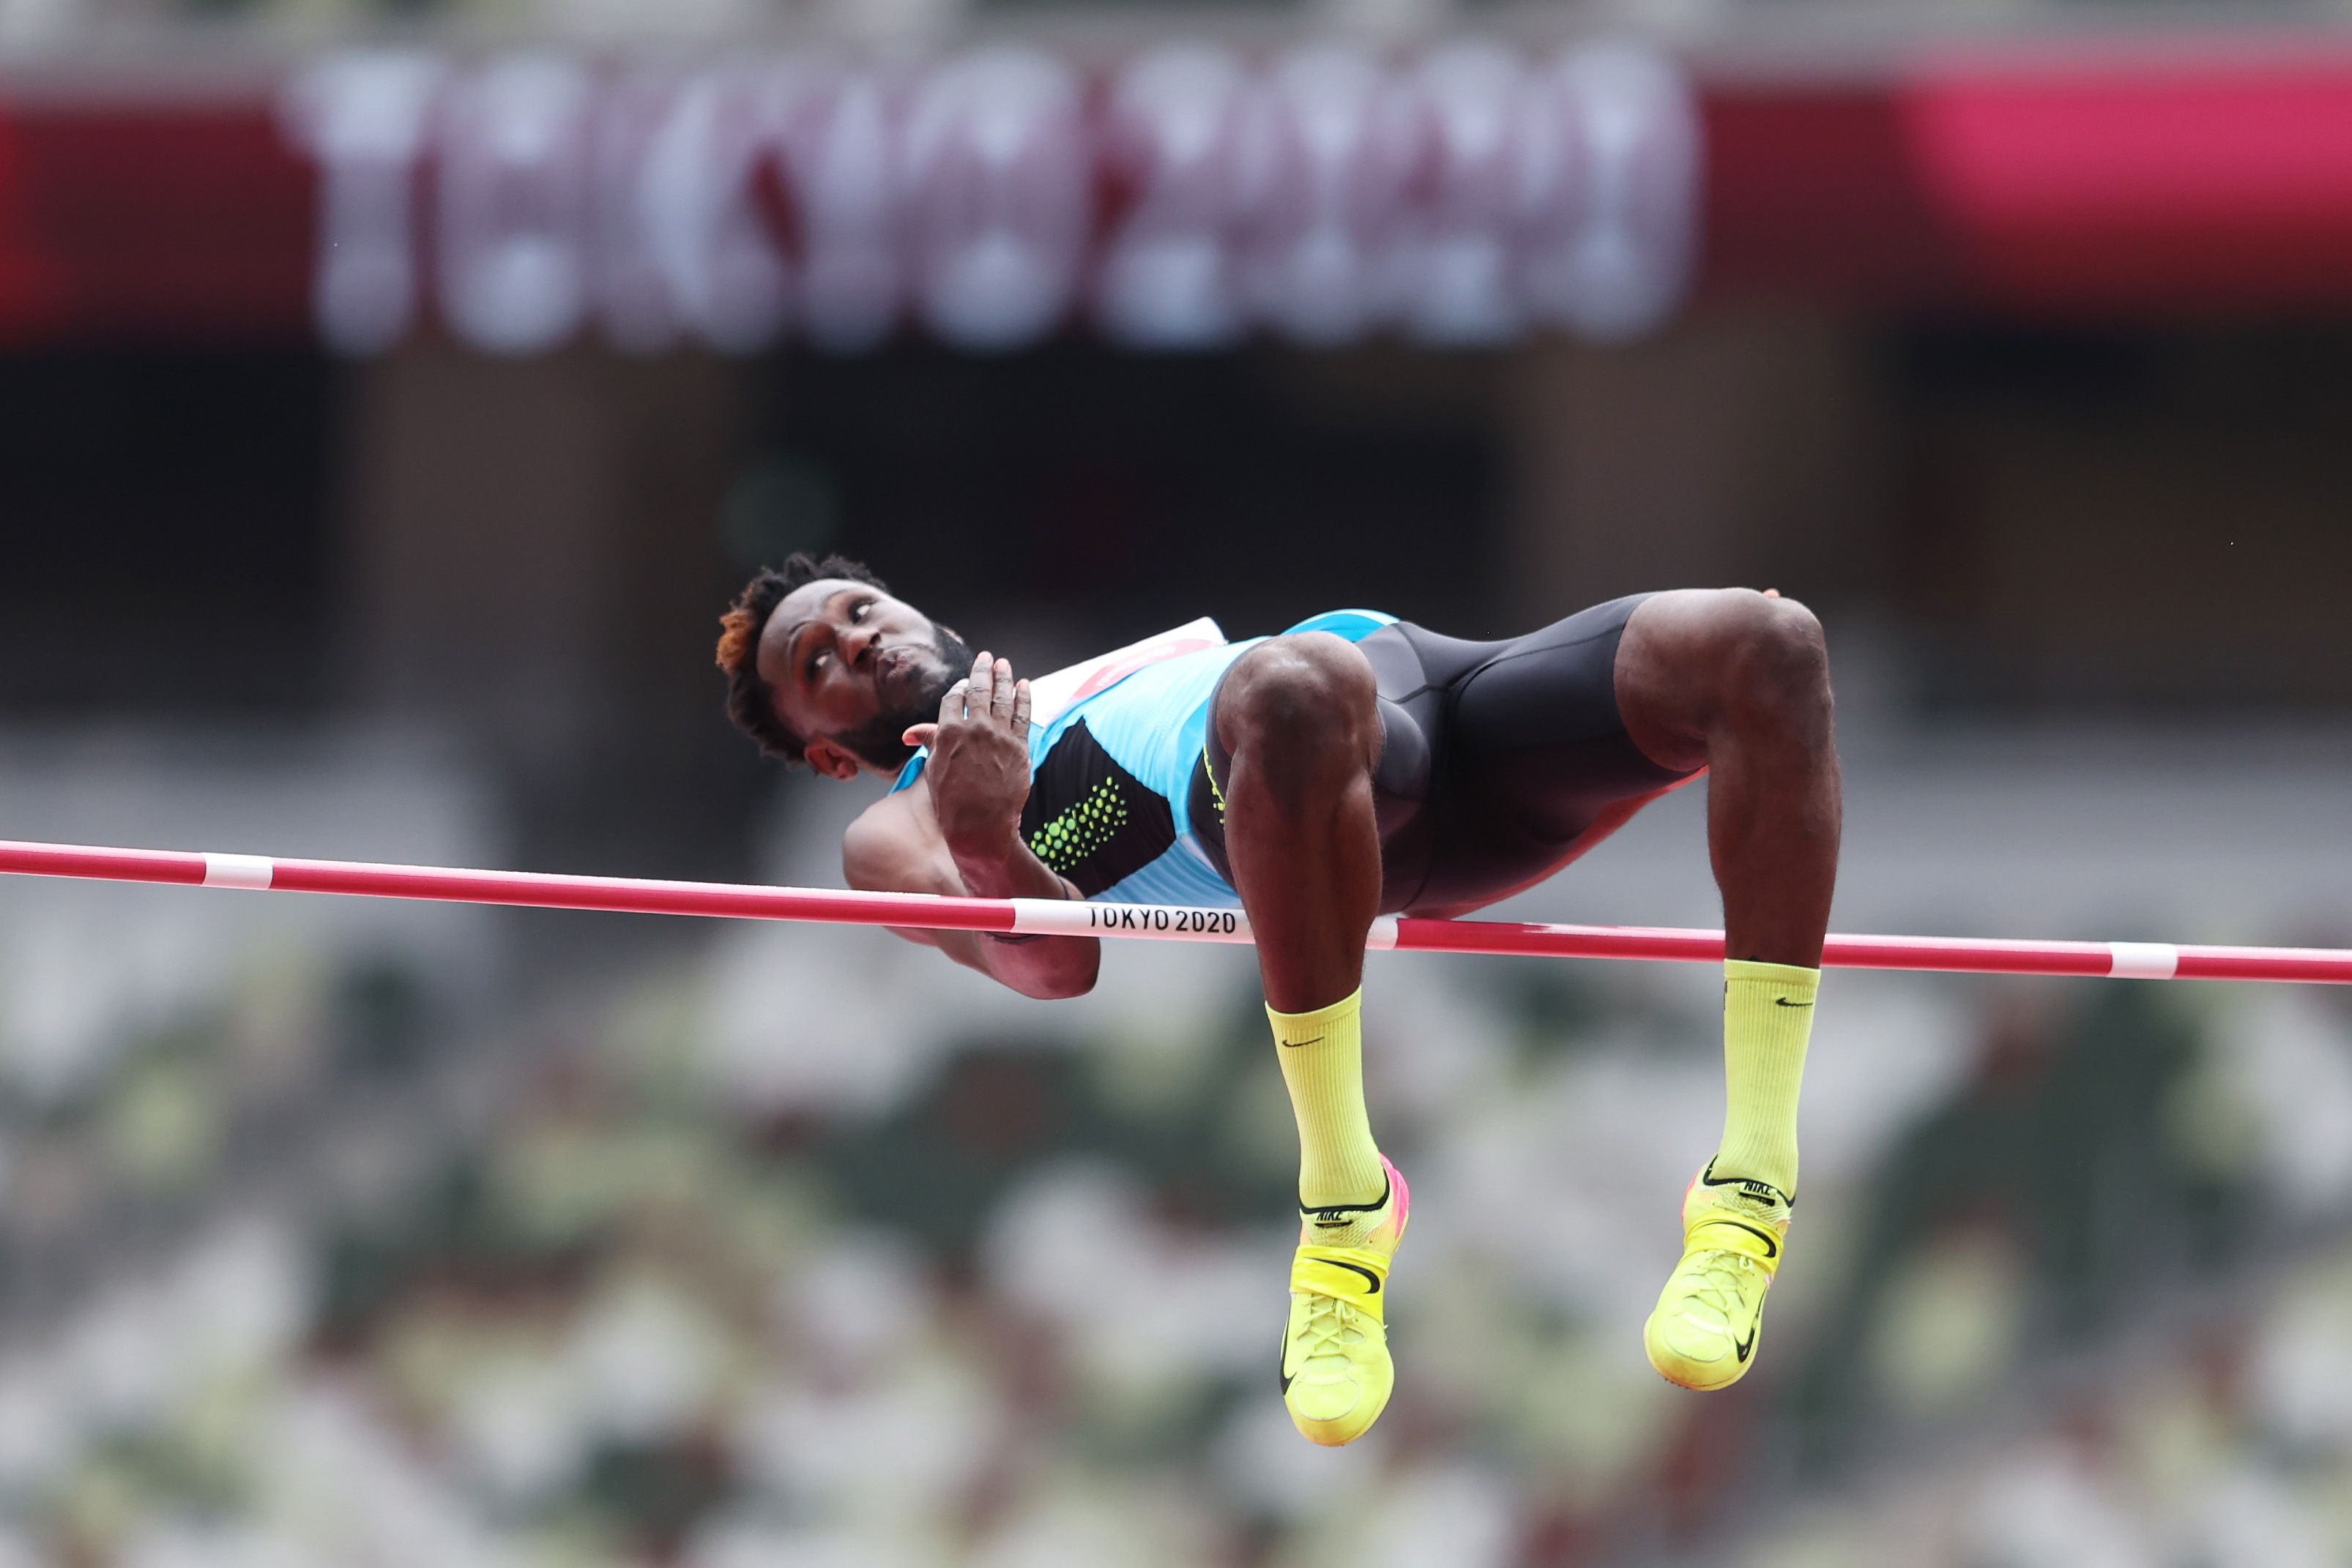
x=1353 y=766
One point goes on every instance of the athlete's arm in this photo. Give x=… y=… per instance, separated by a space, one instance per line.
x=957 y=832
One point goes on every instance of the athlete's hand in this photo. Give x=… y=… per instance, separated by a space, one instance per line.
x=978 y=767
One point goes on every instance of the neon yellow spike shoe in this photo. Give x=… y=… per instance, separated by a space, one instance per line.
x=1336 y=1372
x=1703 y=1333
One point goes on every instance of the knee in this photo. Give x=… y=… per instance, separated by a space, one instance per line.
x=1302 y=699
x=1776 y=659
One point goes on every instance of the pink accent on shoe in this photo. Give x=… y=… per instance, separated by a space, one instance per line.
x=1404 y=1193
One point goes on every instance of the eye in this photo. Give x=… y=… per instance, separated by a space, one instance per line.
x=857 y=613
x=818 y=662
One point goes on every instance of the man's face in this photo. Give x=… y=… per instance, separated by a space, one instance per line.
x=852 y=668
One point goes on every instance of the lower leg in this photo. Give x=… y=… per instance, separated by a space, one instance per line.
x=1774 y=813
x=1741 y=682
x=1298 y=716
x=1300 y=833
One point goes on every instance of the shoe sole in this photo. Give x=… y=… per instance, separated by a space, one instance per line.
x=1658 y=1367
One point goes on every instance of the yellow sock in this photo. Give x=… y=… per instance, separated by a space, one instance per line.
x=1322 y=1055
x=1767 y=1018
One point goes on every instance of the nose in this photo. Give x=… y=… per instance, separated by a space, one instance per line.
x=863 y=643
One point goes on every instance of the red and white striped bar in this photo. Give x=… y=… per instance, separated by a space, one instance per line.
x=1978 y=956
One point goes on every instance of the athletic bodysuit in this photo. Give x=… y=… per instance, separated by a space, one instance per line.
x=1496 y=759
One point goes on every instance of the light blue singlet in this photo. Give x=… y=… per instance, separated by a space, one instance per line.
x=1111 y=777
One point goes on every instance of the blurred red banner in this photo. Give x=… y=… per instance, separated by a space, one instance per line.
x=2075 y=187
x=1181 y=199
x=138 y=217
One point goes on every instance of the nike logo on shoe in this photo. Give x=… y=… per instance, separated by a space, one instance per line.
x=1743 y=1349
x=1328 y=1215
x=1785 y=1002
x=1370 y=1278
x=1761 y=1191
x=1771 y=1246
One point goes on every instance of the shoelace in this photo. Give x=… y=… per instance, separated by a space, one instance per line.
x=1328 y=1321
x=1722 y=1275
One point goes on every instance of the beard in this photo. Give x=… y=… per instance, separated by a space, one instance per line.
x=878 y=741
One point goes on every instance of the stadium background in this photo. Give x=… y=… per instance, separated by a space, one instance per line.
x=390 y=396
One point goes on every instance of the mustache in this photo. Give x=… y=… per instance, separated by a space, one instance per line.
x=878 y=742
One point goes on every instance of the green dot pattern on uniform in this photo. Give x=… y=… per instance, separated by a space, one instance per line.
x=1081 y=828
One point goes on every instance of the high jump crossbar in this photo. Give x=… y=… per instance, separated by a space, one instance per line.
x=1054 y=917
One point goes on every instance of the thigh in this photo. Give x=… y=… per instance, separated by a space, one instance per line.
x=1534 y=765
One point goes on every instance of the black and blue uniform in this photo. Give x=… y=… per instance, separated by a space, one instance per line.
x=1497 y=759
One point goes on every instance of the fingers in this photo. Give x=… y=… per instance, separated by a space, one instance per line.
x=920 y=734
x=990 y=692
x=1000 y=692
x=976 y=686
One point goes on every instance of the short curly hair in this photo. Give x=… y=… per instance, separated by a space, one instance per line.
x=751 y=701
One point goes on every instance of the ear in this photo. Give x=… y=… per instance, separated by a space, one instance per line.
x=832 y=760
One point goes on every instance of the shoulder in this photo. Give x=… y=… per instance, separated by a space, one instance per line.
x=891 y=841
